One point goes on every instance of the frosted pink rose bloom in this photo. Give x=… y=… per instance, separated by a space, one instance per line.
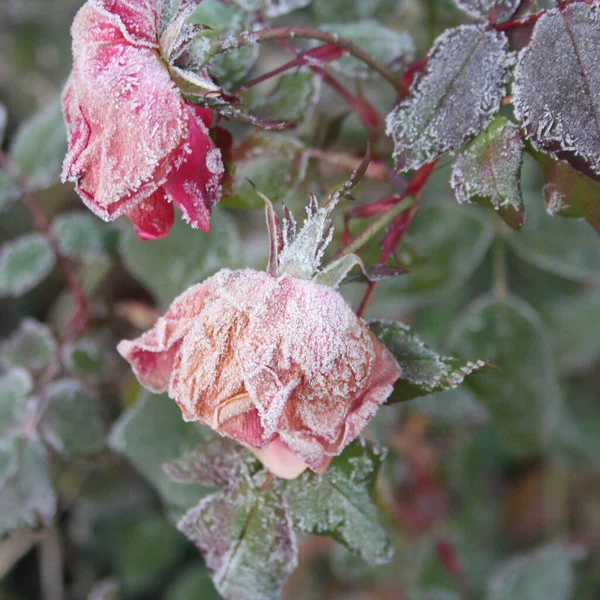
x=279 y=363
x=136 y=147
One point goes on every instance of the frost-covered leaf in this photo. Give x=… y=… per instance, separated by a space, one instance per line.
x=424 y=371
x=456 y=97
x=80 y=236
x=219 y=461
x=246 y=538
x=27 y=498
x=15 y=387
x=275 y=163
x=569 y=193
x=488 y=171
x=88 y=358
x=523 y=397
x=385 y=45
x=272 y=8
x=567 y=247
x=562 y=117
x=24 y=263
x=151 y=433
x=39 y=147
x=171 y=265
x=575 y=323
x=340 y=503
x=31 y=346
x=494 y=10
x=72 y=422
x=443 y=247
x=545 y=574
x=293 y=99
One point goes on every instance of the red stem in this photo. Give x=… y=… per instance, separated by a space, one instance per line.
x=517 y=23
x=81 y=317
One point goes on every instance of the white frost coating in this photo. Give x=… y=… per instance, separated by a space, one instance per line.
x=457 y=96
x=499 y=10
x=556 y=93
x=32 y=345
x=556 y=202
x=272 y=8
x=24 y=263
x=488 y=170
x=247 y=540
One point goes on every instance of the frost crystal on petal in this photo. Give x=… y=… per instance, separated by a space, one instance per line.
x=456 y=97
x=488 y=171
x=556 y=92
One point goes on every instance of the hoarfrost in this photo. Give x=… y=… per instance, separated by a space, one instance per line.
x=556 y=93
x=339 y=502
x=246 y=538
x=272 y=8
x=488 y=171
x=32 y=346
x=495 y=10
x=457 y=96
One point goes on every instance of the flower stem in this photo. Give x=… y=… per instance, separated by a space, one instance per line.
x=376 y=226
x=310 y=33
x=500 y=273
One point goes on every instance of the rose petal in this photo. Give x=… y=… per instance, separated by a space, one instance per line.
x=152 y=218
x=139 y=18
x=280 y=460
x=196 y=184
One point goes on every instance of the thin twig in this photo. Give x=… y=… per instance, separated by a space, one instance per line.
x=310 y=33
x=81 y=317
x=51 y=567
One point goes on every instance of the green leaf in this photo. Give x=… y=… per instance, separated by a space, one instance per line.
x=169 y=266
x=566 y=247
x=88 y=358
x=16 y=385
x=454 y=99
x=434 y=594
x=488 y=171
x=154 y=432
x=424 y=371
x=447 y=244
x=32 y=346
x=340 y=503
x=39 y=147
x=275 y=163
x=575 y=323
x=27 y=499
x=246 y=539
x=193 y=582
x=328 y=11
x=24 y=263
x=523 y=398
x=72 y=422
x=545 y=574
x=293 y=99
x=385 y=45
x=80 y=236
x=145 y=550
x=569 y=193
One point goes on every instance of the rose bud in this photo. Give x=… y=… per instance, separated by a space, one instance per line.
x=136 y=146
x=275 y=360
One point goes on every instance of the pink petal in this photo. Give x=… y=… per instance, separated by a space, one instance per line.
x=280 y=460
x=152 y=218
x=126 y=118
x=244 y=428
x=196 y=185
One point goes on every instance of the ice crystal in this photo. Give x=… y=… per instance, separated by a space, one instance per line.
x=456 y=97
x=556 y=93
x=496 y=10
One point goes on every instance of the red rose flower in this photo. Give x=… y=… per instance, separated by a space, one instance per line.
x=136 y=147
